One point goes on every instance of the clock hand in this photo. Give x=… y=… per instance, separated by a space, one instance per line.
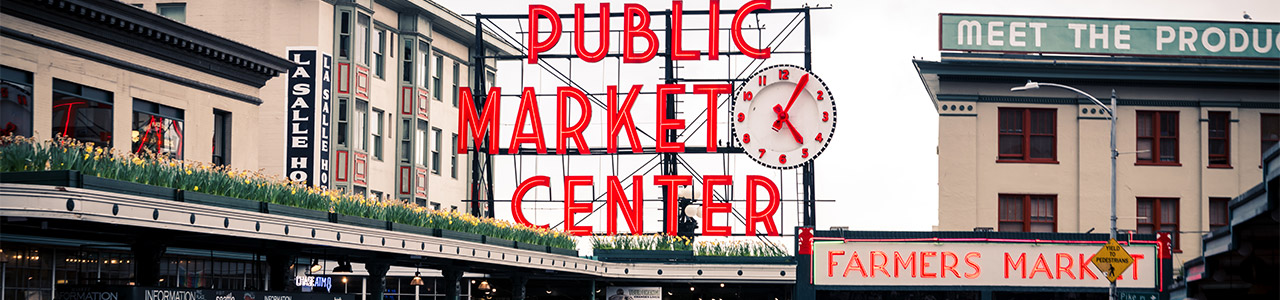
x=804 y=80
x=795 y=134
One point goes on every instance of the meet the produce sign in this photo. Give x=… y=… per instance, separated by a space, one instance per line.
x=482 y=126
x=1136 y=37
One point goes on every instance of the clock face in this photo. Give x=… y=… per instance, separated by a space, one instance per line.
x=783 y=116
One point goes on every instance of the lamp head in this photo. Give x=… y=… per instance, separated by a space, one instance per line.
x=1031 y=85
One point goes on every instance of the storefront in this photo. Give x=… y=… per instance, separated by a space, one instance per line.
x=973 y=265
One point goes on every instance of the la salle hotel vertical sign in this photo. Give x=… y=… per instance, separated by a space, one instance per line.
x=307 y=154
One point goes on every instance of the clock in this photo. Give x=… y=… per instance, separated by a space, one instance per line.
x=783 y=116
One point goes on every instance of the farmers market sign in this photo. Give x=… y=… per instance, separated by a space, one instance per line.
x=1135 y=37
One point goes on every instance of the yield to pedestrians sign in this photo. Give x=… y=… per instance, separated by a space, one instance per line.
x=1112 y=260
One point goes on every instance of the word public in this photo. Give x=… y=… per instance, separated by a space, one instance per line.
x=483 y=125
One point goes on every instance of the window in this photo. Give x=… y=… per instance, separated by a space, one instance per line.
x=423 y=62
x=344 y=35
x=82 y=113
x=377 y=133
x=405 y=140
x=221 y=137
x=1028 y=135
x=1158 y=137
x=456 y=76
x=1218 y=215
x=342 y=122
x=175 y=11
x=362 y=125
x=435 y=152
x=16 y=111
x=1028 y=213
x=421 y=150
x=489 y=78
x=1158 y=215
x=435 y=205
x=157 y=128
x=1270 y=131
x=453 y=156
x=362 y=39
x=1219 y=139
x=359 y=191
x=376 y=194
x=435 y=80
x=379 y=53
x=406 y=62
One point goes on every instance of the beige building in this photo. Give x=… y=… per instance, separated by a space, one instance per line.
x=1190 y=134
x=397 y=67
x=112 y=74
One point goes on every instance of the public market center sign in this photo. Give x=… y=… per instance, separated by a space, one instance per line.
x=1130 y=37
x=973 y=264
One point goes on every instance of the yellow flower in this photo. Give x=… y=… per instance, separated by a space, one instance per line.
x=188 y=171
x=196 y=188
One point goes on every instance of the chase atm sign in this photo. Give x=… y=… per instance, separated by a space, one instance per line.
x=1132 y=37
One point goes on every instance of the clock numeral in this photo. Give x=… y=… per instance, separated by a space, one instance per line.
x=784 y=74
x=782 y=159
x=761 y=152
x=819 y=138
x=741 y=117
x=804 y=153
x=826 y=116
x=746 y=96
x=762 y=80
x=746 y=138
x=819 y=94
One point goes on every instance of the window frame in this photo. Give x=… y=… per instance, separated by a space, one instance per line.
x=1026 y=211
x=176 y=115
x=19 y=79
x=420 y=157
x=1156 y=126
x=225 y=129
x=1025 y=156
x=361 y=54
x=453 y=156
x=438 y=136
x=172 y=5
x=361 y=125
x=107 y=99
x=380 y=53
x=437 y=78
x=1224 y=118
x=1156 y=219
x=1219 y=207
x=457 y=68
x=1262 y=123
x=378 y=132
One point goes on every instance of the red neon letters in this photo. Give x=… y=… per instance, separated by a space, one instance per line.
x=636 y=24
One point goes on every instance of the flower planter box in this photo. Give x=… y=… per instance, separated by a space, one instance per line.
x=296 y=212
x=128 y=188
x=412 y=229
x=757 y=260
x=615 y=255
x=359 y=221
x=562 y=251
x=499 y=242
x=219 y=201
x=528 y=246
x=65 y=178
x=458 y=235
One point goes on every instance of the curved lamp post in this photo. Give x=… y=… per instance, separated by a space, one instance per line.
x=1111 y=115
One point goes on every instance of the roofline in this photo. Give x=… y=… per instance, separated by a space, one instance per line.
x=457 y=26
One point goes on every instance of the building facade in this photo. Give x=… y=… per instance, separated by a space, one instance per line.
x=1190 y=133
x=397 y=66
x=132 y=80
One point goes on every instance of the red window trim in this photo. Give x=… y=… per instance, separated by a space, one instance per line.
x=1156 y=222
x=1226 y=208
x=1155 y=139
x=1225 y=118
x=1026 y=134
x=1026 y=210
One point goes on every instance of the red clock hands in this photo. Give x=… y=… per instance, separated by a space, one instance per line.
x=783 y=119
x=782 y=114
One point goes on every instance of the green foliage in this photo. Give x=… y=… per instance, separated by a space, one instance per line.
x=680 y=243
x=18 y=154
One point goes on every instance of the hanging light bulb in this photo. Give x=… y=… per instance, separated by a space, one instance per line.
x=344 y=267
x=417 y=278
x=315 y=265
x=484 y=285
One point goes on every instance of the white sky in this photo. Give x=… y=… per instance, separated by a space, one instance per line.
x=881 y=168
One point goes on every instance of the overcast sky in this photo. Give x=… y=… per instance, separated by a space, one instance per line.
x=881 y=167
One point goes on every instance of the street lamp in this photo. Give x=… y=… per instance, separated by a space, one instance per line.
x=1111 y=115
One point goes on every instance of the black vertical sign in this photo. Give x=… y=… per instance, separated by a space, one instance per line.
x=307 y=152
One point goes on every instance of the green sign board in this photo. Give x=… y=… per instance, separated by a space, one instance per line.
x=1128 y=37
